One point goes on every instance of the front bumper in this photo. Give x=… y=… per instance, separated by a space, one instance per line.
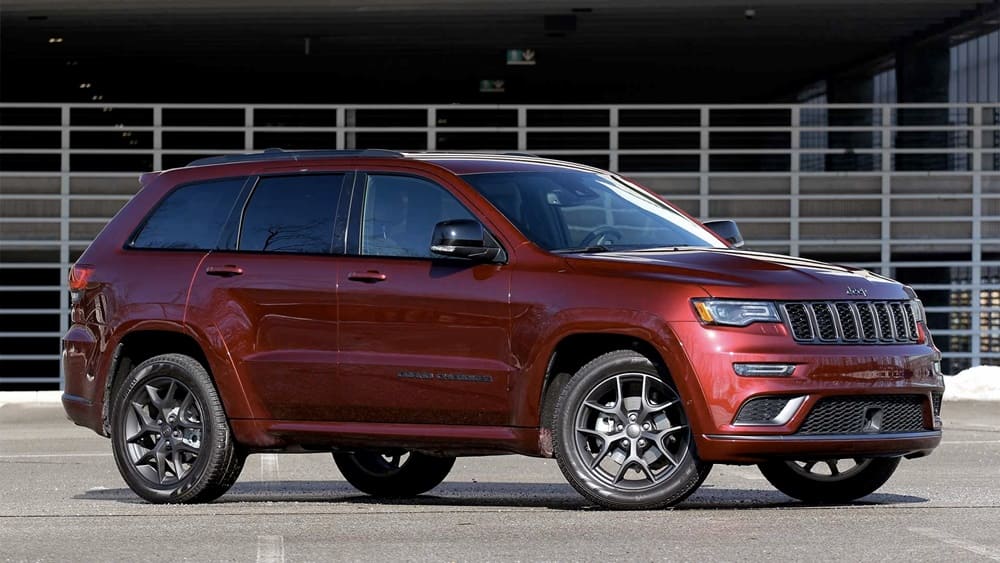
x=718 y=448
x=865 y=375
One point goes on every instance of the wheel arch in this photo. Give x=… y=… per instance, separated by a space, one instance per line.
x=575 y=347
x=142 y=343
x=575 y=350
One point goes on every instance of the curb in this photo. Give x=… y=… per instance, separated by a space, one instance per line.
x=30 y=397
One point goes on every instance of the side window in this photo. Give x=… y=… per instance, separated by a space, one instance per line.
x=400 y=213
x=292 y=214
x=191 y=217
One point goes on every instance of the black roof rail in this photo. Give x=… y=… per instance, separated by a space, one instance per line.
x=281 y=154
x=528 y=154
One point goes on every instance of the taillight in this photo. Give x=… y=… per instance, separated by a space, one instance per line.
x=79 y=276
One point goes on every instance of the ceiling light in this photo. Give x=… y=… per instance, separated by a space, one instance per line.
x=55 y=39
x=749 y=13
x=84 y=85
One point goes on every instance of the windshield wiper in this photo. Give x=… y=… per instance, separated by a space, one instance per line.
x=664 y=248
x=593 y=249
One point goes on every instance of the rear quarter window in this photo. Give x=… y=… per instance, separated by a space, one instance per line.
x=190 y=217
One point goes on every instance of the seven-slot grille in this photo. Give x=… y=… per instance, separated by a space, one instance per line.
x=862 y=322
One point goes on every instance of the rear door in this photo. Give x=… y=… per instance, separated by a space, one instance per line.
x=423 y=339
x=270 y=294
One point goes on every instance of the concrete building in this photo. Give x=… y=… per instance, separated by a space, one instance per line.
x=865 y=132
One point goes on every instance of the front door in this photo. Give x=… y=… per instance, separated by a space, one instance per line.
x=423 y=339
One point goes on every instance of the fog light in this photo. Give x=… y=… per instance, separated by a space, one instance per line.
x=768 y=411
x=764 y=370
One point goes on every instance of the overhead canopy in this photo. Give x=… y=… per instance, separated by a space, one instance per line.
x=438 y=51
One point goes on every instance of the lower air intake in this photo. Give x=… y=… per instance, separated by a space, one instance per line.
x=874 y=414
x=761 y=410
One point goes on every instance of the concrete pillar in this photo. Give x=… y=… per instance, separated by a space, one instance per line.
x=850 y=89
x=922 y=75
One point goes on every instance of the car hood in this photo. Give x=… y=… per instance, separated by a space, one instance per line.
x=743 y=274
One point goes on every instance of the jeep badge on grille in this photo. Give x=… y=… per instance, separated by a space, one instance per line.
x=857 y=291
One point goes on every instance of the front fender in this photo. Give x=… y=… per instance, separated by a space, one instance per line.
x=528 y=386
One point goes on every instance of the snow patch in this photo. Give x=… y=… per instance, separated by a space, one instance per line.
x=981 y=383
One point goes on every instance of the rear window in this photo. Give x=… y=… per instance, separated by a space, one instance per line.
x=190 y=217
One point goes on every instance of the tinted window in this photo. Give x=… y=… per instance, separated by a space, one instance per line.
x=190 y=217
x=400 y=213
x=292 y=214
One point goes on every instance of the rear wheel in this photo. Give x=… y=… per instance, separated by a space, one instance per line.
x=169 y=433
x=621 y=436
x=831 y=481
x=393 y=474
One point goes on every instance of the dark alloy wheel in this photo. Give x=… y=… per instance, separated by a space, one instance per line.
x=829 y=481
x=169 y=433
x=393 y=474
x=621 y=436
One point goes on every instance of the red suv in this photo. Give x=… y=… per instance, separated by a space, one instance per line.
x=399 y=310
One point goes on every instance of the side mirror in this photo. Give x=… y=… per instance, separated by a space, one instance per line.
x=464 y=238
x=727 y=230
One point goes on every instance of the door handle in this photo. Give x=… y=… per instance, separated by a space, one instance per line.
x=226 y=271
x=370 y=276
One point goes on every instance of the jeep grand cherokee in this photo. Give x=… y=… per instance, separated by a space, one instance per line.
x=399 y=310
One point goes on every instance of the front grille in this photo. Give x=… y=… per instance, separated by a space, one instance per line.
x=858 y=322
x=760 y=410
x=874 y=414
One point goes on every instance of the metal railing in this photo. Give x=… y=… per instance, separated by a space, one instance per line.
x=911 y=191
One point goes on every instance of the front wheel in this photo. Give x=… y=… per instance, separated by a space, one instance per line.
x=829 y=481
x=393 y=474
x=621 y=436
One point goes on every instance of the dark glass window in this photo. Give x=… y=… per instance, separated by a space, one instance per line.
x=292 y=214
x=190 y=217
x=570 y=210
x=400 y=214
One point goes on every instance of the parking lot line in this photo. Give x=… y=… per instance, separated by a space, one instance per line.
x=961 y=543
x=28 y=456
x=270 y=549
x=268 y=469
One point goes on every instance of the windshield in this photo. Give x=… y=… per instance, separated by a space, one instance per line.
x=570 y=210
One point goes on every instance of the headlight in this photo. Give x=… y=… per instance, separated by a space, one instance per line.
x=918 y=310
x=735 y=313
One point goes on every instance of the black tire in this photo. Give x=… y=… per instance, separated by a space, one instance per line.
x=600 y=439
x=393 y=474
x=169 y=433
x=832 y=481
